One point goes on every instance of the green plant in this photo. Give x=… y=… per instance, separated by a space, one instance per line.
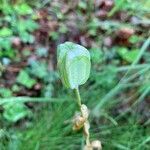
x=25 y=80
x=2 y=68
x=17 y=22
x=13 y=113
x=74 y=66
x=127 y=55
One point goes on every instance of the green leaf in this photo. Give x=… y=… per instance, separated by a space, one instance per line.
x=54 y=35
x=42 y=51
x=5 y=92
x=23 y=9
x=6 y=8
x=15 y=112
x=31 y=25
x=15 y=88
x=93 y=26
x=74 y=64
x=26 y=25
x=38 y=69
x=5 y=43
x=134 y=39
x=5 y=32
x=82 y=4
x=26 y=37
x=47 y=91
x=7 y=53
x=97 y=55
x=127 y=55
x=24 y=79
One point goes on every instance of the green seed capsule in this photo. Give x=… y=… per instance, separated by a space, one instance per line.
x=73 y=64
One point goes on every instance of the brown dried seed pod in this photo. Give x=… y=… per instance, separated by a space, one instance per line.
x=78 y=122
x=86 y=128
x=84 y=111
x=87 y=147
x=96 y=145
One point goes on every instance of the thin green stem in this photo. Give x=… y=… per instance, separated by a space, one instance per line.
x=78 y=96
x=23 y=99
x=87 y=134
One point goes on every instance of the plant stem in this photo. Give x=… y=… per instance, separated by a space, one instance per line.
x=78 y=96
x=86 y=129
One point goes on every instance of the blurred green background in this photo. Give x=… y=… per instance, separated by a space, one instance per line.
x=36 y=110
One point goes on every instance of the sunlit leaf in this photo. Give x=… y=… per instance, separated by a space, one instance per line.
x=74 y=64
x=15 y=112
x=25 y=80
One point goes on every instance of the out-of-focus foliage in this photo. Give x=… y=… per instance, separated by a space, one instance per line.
x=15 y=112
x=24 y=79
x=15 y=26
